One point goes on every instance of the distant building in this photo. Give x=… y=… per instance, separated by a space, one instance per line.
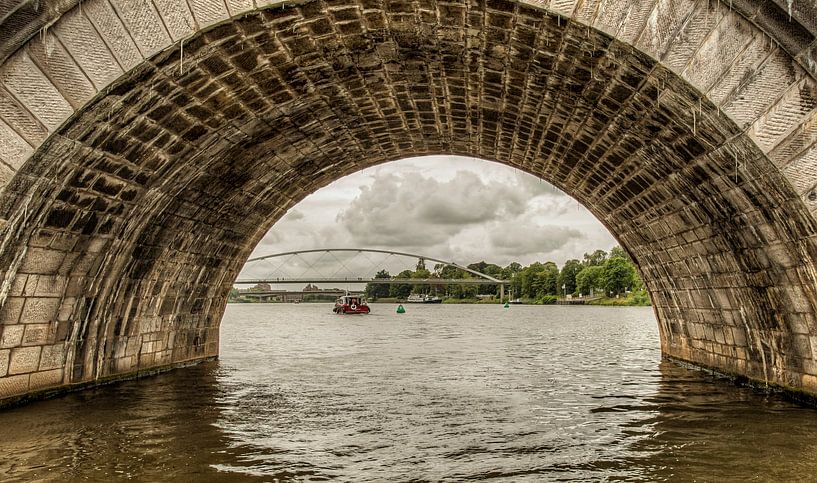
x=261 y=287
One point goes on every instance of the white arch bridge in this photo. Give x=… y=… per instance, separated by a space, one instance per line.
x=336 y=265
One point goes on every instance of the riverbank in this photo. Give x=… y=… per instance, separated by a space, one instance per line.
x=634 y=299
x=448 y=301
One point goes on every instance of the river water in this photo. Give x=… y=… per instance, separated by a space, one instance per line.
x=441 y=393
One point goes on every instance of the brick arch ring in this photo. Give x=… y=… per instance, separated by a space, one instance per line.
x=145 y=148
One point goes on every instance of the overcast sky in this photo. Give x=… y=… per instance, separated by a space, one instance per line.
x=457 y=209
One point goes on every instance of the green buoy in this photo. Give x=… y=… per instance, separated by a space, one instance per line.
x=400 y=309
x=506 y=305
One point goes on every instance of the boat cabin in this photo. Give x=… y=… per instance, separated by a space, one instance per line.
x=351 y=304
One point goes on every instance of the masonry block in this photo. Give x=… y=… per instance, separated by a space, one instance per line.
x=26 y=82
x=40 y=310
x=18 y=285
x=85 y=45
x=66 y=310
x=14 y=150
x=144 y=24
x=52 y=357
x=60 y=68
x=37 y=334
x=49 y=286
x=11 y=335
x=125 y=365
x=208 y=12
x=4 y=362
x=14 y=385
x=802 y=346
x=809 y=382
x=10 y=313
x=25 y=359
x=42 y=260
x=107 y=23
x=45 y=379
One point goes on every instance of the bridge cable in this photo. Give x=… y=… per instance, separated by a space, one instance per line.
x=310 y=266
x=279 y=267
x=342 y=266
x=387 y=257
x=373 y=266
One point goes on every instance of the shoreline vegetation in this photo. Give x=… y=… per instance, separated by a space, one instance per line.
x=640 y=298
x=599 y=278
x=635 y=299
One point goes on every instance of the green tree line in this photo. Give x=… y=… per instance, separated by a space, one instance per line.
x=598 y=273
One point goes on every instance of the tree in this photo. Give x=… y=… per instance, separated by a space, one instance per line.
x=595 y=259
x=479 y=267
x=637 y=284
x=421 y=273
x=567 y=277
x=401 y=290
x=618 y=274
x=437 y=287
x=529 y=280
x=617 y=251
x=512 y=269
x=550 y=279
x=538 y=279
x=488 y=269
x=377 y=290
x=449 y=272
x=511 y=272
x=590 y=279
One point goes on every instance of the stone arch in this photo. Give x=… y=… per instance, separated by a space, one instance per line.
x=147 y=147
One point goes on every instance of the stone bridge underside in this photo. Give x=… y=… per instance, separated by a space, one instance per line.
x=146 y=147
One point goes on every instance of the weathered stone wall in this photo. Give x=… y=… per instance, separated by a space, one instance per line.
x=146 y=148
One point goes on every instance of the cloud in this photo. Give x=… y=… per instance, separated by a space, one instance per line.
x=413 y=209
x=294 y=215
x=452 y=208
x=520 y=238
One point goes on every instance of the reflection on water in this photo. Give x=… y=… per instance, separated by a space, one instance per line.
x=439 y=393
x=710 y=430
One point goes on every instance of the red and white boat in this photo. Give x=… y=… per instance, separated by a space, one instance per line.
x=350 y=304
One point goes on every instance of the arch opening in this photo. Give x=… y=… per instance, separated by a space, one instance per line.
x=125 y=229
x=458 y=209
x=468 y=214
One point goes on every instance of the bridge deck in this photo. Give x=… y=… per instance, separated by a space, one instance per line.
x=386 y=281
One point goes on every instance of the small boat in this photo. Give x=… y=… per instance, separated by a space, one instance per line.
x=350 y=304
x=416 y=298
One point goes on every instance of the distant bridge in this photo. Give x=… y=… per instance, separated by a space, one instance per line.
x=290 y=295
x=271 y=278
x=384 y=281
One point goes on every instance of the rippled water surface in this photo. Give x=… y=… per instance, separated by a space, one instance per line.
x=439 y=393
